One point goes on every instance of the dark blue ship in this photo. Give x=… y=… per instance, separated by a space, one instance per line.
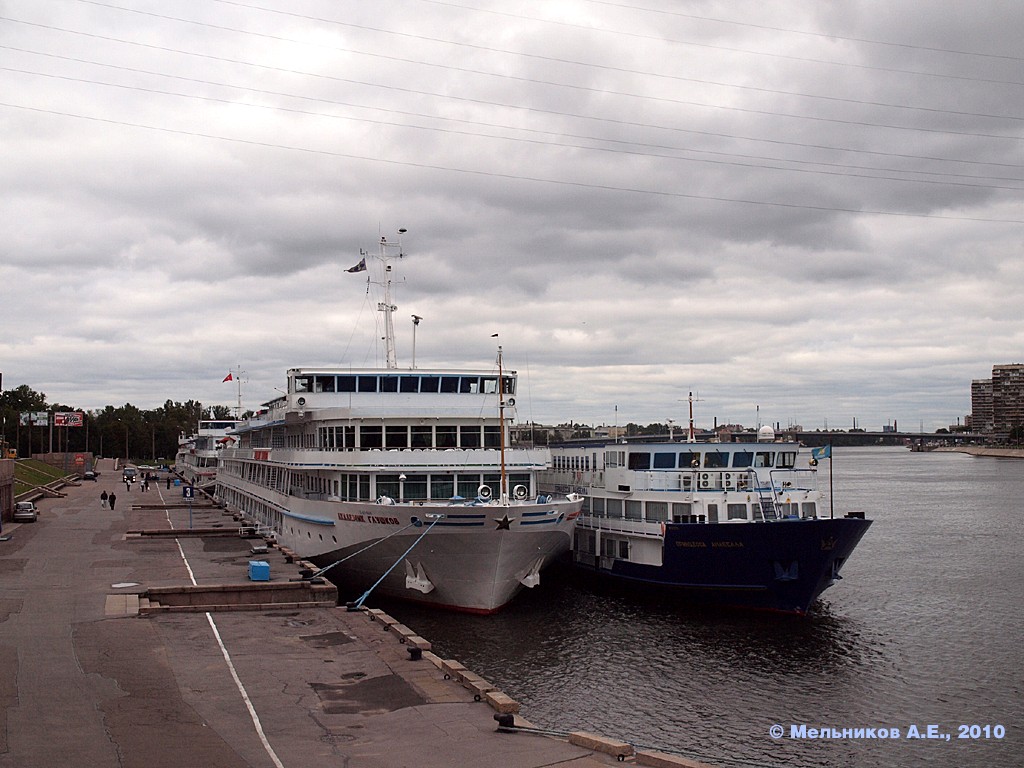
x=722 y=524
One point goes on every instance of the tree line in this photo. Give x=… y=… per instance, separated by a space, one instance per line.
x=125 y=431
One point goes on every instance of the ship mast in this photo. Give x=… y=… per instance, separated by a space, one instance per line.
x=237 y=374
x=501 y=420
x=691 y=437
x=386 y=306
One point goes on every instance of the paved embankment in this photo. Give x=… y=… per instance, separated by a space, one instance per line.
x=977 y=450
x=94 y=674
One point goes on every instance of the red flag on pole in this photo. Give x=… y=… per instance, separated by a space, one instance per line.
x=229 y=377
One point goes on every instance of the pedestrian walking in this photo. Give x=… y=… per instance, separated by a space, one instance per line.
x=111 y=500
x=103 y=500
x=168 y=482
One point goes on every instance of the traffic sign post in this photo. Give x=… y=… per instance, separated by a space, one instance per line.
x=189 y=493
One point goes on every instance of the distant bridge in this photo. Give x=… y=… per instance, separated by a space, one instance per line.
x=884 y=438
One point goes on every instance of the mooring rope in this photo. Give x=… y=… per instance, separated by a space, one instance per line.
x=359 y=603
x=325 y=569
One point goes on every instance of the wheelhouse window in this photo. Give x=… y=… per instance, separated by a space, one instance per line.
x=430 y=384
x=490 y=385
x=469 y=385
x=786 y=460
x=409 y=384
x=388 y=383
x=743 y=458
x=324 y=383
x=367 y=383
x=639 y=461
x=715 y=460
x=664 y=461
x=492 y=437
x=689 y=460
x=346 y=383
x=303 y=383
x=449 y=383
x=764 y=459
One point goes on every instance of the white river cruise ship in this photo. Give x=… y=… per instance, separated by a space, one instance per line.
x=401 y=481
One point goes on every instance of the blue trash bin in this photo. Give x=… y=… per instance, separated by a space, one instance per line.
x=259 y=570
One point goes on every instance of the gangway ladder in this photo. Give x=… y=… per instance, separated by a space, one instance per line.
x=765 y=497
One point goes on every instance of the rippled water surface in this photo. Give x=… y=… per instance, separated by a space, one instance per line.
x=927 y=627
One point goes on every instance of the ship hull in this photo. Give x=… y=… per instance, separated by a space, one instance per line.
x=468 y=557
x=778 y=566
x=469 y=572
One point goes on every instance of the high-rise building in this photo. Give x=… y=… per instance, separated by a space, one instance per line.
x=981 y=405
x=1007 y=397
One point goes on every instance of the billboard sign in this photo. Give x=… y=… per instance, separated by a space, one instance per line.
x=68 y=419
x=29 y=418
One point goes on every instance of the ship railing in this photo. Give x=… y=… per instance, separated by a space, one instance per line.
x=617 y=525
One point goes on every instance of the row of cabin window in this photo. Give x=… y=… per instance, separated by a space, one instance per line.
x=367 y=437
x=681 y=460
x=363 y=487
x=409 y=383
x=709 y=460
x=658 y=511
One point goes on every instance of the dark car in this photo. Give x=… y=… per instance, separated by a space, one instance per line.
x=89 y=476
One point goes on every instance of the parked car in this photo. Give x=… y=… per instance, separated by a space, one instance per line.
x=25 y=512
x=89 y=476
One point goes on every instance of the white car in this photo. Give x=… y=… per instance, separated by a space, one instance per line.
x=25 y=512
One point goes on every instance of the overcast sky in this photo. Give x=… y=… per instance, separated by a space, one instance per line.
x=814 y=209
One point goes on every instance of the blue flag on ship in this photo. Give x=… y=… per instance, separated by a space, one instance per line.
x=360 y=267
x=824 y=452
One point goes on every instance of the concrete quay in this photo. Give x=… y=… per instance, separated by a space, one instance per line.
x=122 y=647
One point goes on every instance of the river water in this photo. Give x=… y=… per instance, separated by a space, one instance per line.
x=926 y=628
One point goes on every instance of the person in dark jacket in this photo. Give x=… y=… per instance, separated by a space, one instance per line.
x=111 y=500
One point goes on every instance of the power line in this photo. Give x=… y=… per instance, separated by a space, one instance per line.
x=824 y=35
x=484 y=102
x=731 y=49
x=550 y=143
x=510 y=176
x=592 y=65
x=583 y=88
